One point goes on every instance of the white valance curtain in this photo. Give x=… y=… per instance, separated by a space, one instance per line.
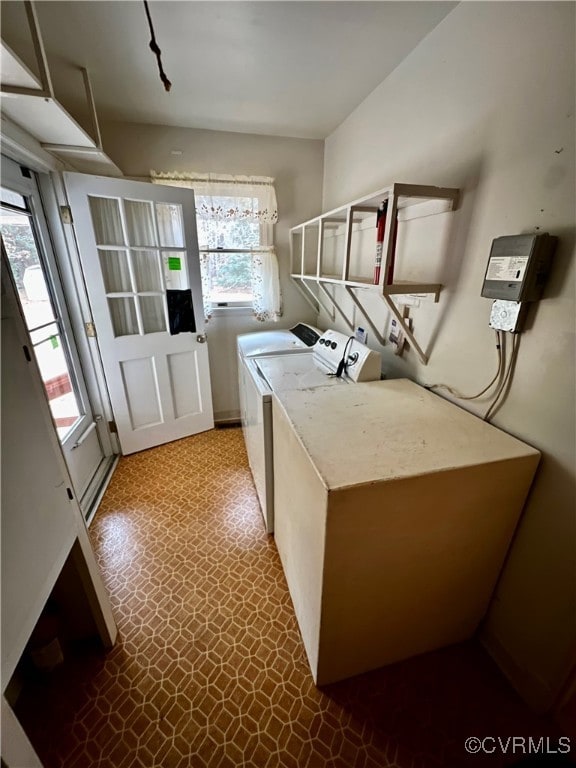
x=224 y=198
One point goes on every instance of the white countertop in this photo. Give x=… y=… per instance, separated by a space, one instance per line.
x=387 y=430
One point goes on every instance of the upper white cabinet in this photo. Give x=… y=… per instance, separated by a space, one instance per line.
x=28 y=100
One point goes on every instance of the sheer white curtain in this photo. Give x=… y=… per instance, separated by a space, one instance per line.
x=228 y=199
x=267 y=301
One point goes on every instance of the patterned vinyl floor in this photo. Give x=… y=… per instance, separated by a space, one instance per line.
x=209 y=668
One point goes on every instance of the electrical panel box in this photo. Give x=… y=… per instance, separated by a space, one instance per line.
x=518 y=266
x=508 y=315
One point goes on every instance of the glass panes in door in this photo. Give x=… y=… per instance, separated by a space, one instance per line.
x=115 y=271
x=40 y=314
x=132 y=237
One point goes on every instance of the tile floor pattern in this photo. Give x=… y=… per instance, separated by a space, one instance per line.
x=210 y=670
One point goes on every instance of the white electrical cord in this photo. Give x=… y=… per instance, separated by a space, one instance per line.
x=504 y=388
x=459 y=395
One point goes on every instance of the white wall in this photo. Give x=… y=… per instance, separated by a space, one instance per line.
x=41 y=525
x=486 y=103
x=296 y=164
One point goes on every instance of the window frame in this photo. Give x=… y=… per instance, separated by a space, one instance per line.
x=28 y=189
x=220 y=308
x=259 y=206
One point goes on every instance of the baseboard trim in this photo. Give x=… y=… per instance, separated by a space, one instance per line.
x=95 y=503
x=226 y=417
x=222 y=423
x=535 y=692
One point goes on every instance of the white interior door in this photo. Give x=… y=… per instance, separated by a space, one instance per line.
x=136 y=241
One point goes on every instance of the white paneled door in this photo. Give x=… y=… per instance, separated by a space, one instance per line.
x=138 y=245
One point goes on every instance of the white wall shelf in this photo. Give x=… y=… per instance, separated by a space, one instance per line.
x=29 y=102
x=327 y=249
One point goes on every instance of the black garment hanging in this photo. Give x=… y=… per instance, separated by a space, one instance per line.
x=180 y=311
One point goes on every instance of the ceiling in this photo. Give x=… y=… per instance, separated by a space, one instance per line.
x=267 y=67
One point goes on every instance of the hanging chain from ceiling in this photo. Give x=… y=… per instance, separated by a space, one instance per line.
x=156 y=50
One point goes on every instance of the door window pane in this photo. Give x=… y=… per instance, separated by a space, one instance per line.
x=123 y=316
x=175 y=272
x=40 y=335
x=106 y=221
x=55 y=374
x=146 y=265
x=20 y=245
x=153 y=318
x=170 y=225
x=36 y=301
x=140 y=222
x=115 y=271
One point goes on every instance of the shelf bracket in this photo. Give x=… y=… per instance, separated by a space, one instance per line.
x=408 y=333
x=328 y=309
x=306 y=293
x=338 y=307
x=356 y=300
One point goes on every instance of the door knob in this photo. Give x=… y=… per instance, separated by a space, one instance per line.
x=201 y=338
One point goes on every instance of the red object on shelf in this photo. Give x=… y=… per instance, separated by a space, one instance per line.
x=380 y=226
x=393 y=235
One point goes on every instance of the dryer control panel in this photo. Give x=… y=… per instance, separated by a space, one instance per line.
x=354 y=359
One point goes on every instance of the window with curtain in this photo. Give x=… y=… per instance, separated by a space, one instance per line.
x=235 y=217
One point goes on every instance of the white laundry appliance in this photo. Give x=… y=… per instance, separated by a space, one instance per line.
x=299 y=338
x=394 y=510
x=260 y=376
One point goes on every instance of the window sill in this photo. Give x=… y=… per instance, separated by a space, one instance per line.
x=232 y=311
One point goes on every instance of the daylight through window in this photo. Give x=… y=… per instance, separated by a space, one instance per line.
x=235 y=218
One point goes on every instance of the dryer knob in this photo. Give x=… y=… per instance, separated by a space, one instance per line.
x=334 y=345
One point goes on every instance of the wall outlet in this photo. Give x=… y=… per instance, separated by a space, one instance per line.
x=361 y=335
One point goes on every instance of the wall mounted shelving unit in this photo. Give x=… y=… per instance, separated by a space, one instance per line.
x=29 y=101
x=320 y=258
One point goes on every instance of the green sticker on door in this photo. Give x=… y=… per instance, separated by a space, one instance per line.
x=54 y=342
x=174 y=263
